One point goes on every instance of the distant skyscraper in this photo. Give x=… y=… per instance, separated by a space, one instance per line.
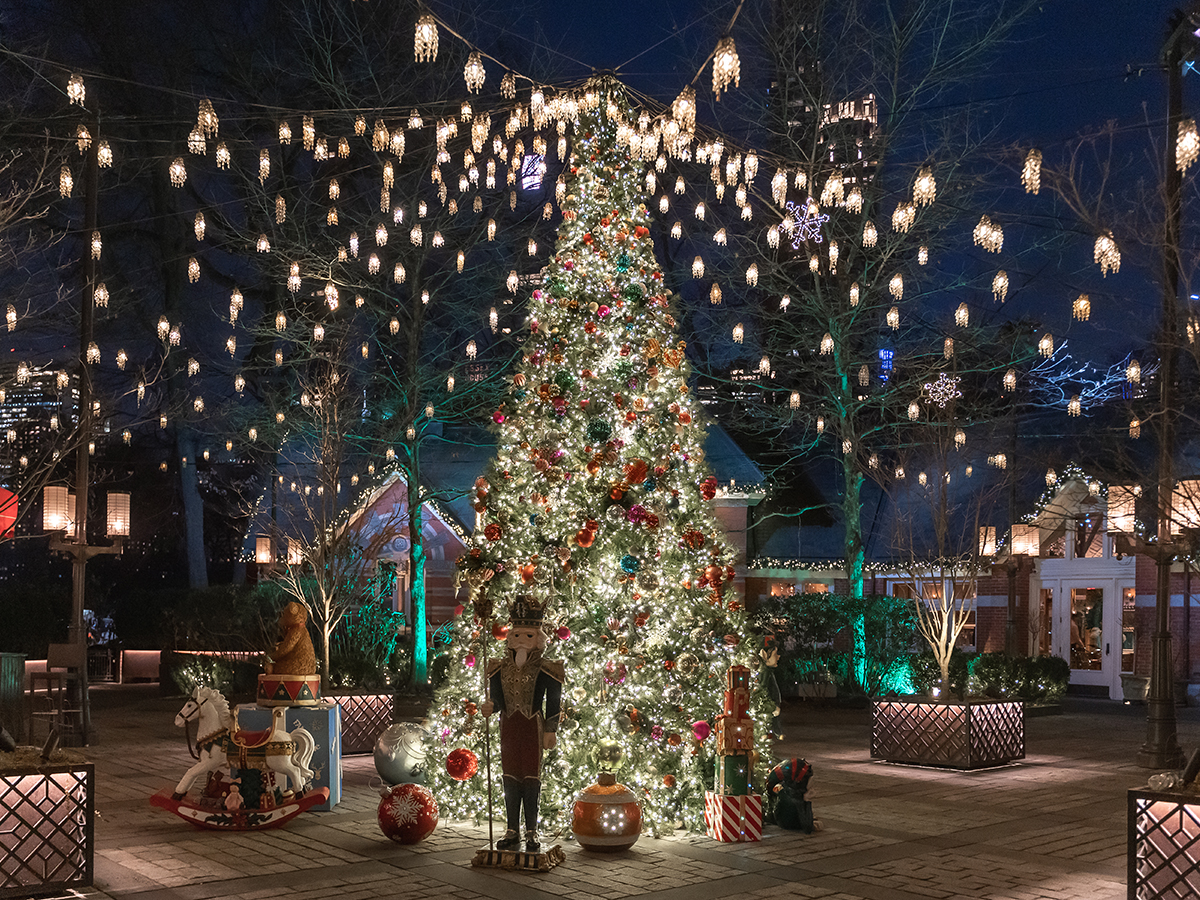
x=29 y=413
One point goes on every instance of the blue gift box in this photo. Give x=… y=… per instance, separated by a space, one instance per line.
x=324 y=723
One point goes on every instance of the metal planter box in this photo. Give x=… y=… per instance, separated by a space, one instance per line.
x=47 y=838
x=364 y=718
x=974 y=734
x=1164 y=845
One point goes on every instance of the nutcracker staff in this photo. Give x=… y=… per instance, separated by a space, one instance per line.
x=526 y=689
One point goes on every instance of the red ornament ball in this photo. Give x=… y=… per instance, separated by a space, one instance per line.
x=462 y=764
x=408 y=813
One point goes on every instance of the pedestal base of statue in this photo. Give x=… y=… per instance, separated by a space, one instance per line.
x=324 y=722
x=542 y=861
x=288 y=690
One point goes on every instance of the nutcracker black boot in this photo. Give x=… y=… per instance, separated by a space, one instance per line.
x=512 y=812
x=533 y=790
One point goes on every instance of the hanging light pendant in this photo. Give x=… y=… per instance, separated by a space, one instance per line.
x=1106 y=254
x=726 y=67
x=425 y=39
x=1031 y=173
x=1187 y=145
x=925 y=187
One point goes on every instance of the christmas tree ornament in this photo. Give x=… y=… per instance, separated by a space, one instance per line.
x=462 y=764
x=407 y=813
x=606 y=817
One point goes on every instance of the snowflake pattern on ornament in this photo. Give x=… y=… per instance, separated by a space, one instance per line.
x=404 y=810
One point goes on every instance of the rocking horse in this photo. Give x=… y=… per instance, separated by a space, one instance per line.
x=268 y=770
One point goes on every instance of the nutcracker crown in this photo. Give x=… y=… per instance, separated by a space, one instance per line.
x=526 y=613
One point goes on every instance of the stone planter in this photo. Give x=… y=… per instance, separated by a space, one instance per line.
x=1134 y=687
x=973 y=734
x=1164 y=844
x=364 y=718
x=46 y=839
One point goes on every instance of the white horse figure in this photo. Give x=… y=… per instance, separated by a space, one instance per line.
x=218 y=737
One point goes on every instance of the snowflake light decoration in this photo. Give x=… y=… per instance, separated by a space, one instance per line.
x=808 y=222
x=942 y=391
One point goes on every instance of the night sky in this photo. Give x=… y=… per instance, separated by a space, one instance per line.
x=1073 y=65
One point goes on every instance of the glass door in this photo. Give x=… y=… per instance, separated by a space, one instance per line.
x=1045 y=628
x=1128 y=630
x=1087 y=629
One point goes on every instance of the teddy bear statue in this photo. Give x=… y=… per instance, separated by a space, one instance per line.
x=290 y=677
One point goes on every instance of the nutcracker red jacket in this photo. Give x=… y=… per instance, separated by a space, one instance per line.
x=547 y=690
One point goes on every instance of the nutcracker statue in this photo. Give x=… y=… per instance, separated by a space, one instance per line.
x=526 y=689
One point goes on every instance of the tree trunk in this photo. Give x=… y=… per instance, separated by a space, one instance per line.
x=420 y=617
x=193 y=509
x=945 y=697
x=852 y=513
x=326 y=681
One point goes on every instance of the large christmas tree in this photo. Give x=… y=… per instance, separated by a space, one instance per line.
x=599 y=503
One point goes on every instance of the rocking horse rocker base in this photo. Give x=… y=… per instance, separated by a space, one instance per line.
x=219 y=819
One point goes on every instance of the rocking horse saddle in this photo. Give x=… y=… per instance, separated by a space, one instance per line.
x=251 y=740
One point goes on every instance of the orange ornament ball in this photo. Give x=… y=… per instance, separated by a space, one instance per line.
x=606 y=817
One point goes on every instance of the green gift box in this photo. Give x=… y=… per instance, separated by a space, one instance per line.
x=733 y=774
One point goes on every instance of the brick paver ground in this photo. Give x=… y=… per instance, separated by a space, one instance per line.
x=1049 y=828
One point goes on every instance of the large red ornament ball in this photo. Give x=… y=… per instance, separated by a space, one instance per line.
x=408 y=813
x=462 y=764
x=606 y=817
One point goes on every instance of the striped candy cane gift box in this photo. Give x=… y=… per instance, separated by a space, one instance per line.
x=732 y=818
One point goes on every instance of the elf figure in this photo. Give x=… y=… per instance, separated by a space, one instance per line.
x=789 y=803
x=770 y=658
x=526 y=689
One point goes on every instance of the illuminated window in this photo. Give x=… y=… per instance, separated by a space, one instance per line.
x=1089 y=539
x=533 y=169
x=886 y=355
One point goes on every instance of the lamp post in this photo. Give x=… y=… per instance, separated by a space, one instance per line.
x=1161 y=750
x=56 y=519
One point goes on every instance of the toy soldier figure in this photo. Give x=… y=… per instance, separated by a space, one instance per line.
x=526 y=689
